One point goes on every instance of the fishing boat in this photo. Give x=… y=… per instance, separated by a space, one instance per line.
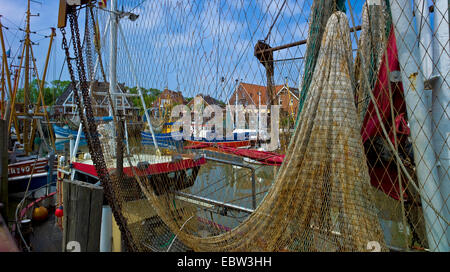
x=175 y=172
x=29 y=174
x=234 y=143
x=204 y=135
x=164 y=139
x=248 y=155
x=172 y=139
x=63 y=135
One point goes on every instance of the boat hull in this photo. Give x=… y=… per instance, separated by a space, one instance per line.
x=159 y=177
x=19 y=175
x=164 y=140
x=234 y=144
x=62 y=135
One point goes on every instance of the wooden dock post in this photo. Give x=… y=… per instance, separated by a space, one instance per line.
x=82 y=216
x=4 y=165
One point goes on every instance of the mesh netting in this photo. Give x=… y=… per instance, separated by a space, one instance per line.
x=365 y=159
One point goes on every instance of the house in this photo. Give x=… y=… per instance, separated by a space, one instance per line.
x=288 y=99
x=65 y=105
x=165 y=101
x=249 y=94
x=197 y=106
x=202 y=101
x=252 y=94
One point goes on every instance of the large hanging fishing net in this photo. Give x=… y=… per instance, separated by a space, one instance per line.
x=375 y=28
x=321 y=199
x=341 y=187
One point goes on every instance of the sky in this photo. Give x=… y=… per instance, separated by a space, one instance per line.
x=187 y=46
x=13 y=17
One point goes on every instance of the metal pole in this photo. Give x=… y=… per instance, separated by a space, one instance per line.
x=259 y=117
x=147 y=116
x=51 y=164
x=236 y=125
x=106 y=229
x=425 y=49
x=289 y=45
x=71 y=148
x=213 y=202
x=419 y=122
x=440 y=103
x=114 y=19
x=26 y=88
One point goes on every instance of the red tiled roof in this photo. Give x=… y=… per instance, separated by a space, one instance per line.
x=249 y=93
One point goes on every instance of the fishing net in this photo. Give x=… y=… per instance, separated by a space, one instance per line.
x=323 y=188
x=371 y=46
x=351 y=179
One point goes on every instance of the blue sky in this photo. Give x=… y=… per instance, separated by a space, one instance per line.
x=13 y=17
x=187 y=46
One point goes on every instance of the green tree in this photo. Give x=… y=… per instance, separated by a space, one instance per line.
x=57 y=87
x=50 y=91
x=150 y=95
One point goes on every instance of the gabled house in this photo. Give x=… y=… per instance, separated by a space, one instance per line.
x=288 y=99
x=197 y=105
x=65 y=105
x=165 y=101
x=252 y=94
x=202 y=101
x=249 y=94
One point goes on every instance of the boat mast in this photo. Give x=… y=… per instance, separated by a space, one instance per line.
x=2 y=82
x=258 y=133
x=113 y=57
x=27 y=113
x=26 y=88
x=9 y=113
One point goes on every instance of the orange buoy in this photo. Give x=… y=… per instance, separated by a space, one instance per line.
x=39 y=213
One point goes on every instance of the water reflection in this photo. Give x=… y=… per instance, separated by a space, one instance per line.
x=231 y=184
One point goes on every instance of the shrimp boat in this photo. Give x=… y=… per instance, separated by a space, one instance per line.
x=64 y=133
x=32 y=173
x=164 y=139
x=175 y=171
x=170 y=139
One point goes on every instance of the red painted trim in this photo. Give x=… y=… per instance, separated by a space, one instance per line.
x=264 y=157
x=25 y=168
x=234 y=144
x=152 y=169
